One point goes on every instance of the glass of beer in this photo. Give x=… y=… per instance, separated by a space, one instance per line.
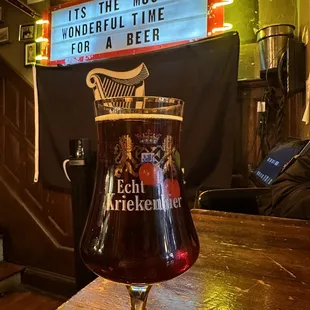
x=139 y=230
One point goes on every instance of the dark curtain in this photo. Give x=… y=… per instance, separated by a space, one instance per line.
x=203 y=74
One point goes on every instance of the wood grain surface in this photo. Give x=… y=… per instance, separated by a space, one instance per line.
x=246 y=262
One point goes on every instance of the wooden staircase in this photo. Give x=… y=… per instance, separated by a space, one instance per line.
x=10 y=274
x=1 y=248
x=44 y=214
x=15 y=296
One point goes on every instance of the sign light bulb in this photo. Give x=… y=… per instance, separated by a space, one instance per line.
x=41 y=39
x=42 y=22
x=226 y=27
x=222 y=3
x=40 y=57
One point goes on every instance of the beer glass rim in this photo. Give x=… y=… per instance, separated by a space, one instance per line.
x=170 y=101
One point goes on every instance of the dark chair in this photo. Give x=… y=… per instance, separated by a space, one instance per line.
x=235 y=200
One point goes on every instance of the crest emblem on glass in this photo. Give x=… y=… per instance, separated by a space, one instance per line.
x=139 y=229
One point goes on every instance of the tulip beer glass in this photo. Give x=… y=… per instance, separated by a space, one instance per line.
x=139 y=229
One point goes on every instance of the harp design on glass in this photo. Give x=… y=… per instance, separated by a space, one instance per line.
x=107 y=84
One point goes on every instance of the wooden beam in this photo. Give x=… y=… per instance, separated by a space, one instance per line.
x=24 y=8
x=57 y=2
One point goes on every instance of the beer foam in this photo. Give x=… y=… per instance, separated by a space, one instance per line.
x=138 y=116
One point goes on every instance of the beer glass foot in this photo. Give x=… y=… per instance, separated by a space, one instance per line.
x=138 y=296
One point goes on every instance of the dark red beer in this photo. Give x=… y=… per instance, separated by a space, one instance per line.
x=139 y=229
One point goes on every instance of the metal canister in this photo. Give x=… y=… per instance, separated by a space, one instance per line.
x=272 y=41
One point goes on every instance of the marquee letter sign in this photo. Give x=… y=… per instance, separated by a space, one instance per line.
x=83 y=31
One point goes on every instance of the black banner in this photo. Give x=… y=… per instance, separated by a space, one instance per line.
x=203 y=74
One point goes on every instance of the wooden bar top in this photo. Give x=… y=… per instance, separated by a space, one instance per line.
x=245 y=263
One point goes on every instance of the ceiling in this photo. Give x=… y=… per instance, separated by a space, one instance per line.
x=35 y=9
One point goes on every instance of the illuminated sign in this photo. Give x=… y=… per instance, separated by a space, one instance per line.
x=99 y=27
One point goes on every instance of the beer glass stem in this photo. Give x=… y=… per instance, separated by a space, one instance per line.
x=138 y=296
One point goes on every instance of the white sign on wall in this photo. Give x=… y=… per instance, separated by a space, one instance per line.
x=99 y=27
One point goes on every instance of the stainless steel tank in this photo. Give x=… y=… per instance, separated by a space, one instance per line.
x=272 y=41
